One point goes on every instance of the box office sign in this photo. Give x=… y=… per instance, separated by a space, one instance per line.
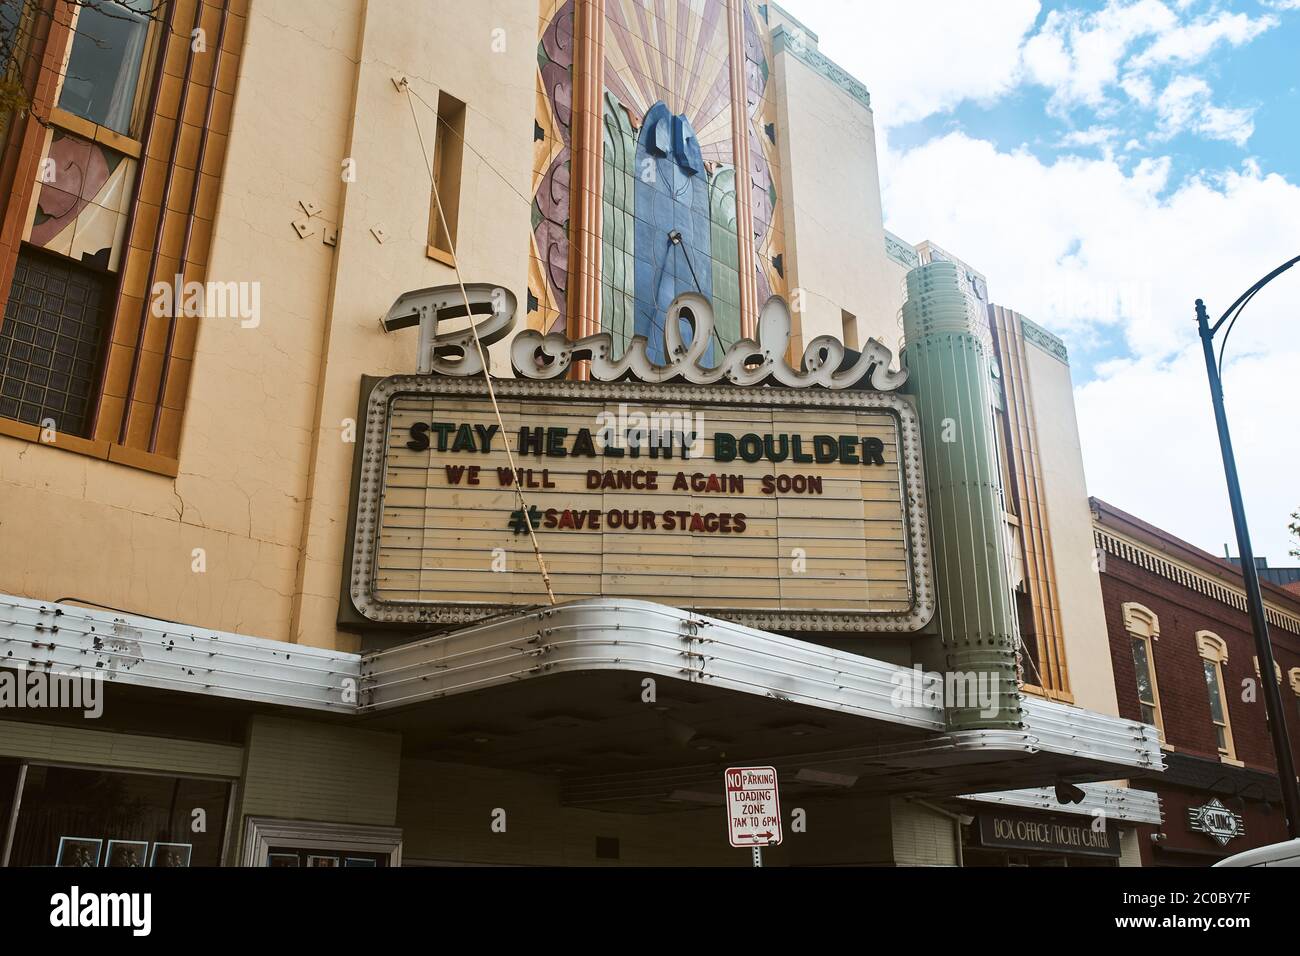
x=1022 y=831
x=777 y=508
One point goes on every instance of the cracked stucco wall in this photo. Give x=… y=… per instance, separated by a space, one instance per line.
x=264 y=471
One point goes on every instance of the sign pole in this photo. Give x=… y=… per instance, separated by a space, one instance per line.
x=1273 y=708
x=758 y=856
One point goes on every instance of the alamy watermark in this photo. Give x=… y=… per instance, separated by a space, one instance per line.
x=22 y=688
x=657 y=428
x=208 y=300
x=955 y=689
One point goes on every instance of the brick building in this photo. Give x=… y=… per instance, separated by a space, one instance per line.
x=1184 y=660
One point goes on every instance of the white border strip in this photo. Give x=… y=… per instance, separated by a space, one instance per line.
x=150 y=653
x=1115 y=803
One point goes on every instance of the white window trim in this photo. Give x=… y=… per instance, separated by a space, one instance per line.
x=261 y=833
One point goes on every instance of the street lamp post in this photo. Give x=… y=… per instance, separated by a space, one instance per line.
x=1254 y=599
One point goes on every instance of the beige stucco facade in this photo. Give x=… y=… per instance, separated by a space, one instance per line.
x=323 y=205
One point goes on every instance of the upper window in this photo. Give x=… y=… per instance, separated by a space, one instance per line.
x=103 y=71
x=1294 y=675
x=1214 y=654
x=448 y=151
x=1144 y=629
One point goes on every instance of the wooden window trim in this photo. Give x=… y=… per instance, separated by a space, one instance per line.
x=1063 y=696
x=93 y=448
x=96 y=133
x=153 y=48
x=448 y=176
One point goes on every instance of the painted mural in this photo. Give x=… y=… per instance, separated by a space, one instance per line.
x=548 y=275
x=80 y=207
x=764 y=159
x=670 y=191
x=668 y=84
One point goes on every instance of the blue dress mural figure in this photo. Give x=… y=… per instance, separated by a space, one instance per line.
x=672 y=198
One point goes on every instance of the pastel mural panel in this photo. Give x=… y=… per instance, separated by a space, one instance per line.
x=764 y=159
x=81 y=202
x=671 y=196
x=667 y=70
x=552 y=135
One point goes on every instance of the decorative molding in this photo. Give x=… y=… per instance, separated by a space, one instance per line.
x=785 y=41
x=587 y=170
x=1140 y=620
x=261 y=833
x=1024 y=461
x=1111 y=543
x=1045 y=340
x=373 y=448
x=787 y=15
x=1212 y=647
x=1294 y=676
x=901 y=252
x=744 y=174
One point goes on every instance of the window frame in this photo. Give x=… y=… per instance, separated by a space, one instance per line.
x=448 y=173
x=77 y=123
x=1143 y=624
x=1213 y=651
x=232 y=784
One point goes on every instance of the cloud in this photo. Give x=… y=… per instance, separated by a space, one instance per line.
x=1092 y=136
x=918 y=64
x=1185 y=105
x=1112 y=257
x=1150 y=445
x=1193 y=42
x=1078 y=54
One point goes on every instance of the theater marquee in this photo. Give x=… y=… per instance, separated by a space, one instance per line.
x=778 y=508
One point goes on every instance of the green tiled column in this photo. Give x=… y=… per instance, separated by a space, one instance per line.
x=948 y=354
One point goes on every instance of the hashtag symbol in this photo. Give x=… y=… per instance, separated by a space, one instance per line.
x=517 y=523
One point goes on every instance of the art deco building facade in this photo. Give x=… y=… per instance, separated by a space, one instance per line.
x=304 y=631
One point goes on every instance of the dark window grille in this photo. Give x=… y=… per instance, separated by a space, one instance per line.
x=51 y=341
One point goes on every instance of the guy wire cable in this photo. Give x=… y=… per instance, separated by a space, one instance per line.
x=483 y=356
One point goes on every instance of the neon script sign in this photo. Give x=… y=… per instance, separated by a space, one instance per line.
x=534 y=355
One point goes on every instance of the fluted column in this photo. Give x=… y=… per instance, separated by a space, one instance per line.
x=948 y=353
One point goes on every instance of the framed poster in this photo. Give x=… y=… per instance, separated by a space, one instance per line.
x=78 y=851
x=128 y=853
x=171 y=855
x=282 y=859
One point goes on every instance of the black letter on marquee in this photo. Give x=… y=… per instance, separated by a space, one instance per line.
x=873 y=451
x=419 y=437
